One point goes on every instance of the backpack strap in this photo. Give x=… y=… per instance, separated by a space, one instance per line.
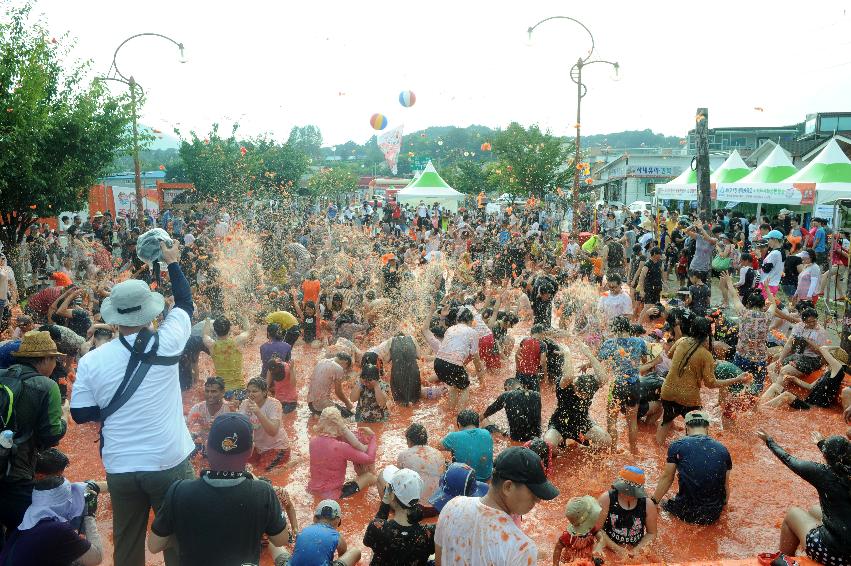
x=137 y=368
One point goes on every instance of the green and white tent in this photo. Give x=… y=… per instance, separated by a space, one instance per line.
x=775 y=169
x=765 y=184
x=430 y=188
x=830 y=171
x=732 y=170
x=681 y=187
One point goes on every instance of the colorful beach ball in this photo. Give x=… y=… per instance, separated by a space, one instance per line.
x=407 y=98
x=378 y=121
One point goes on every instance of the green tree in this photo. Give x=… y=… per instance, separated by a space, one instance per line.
x=469 y=177
x=307 y=139
x=531 y=162
x=57 y=134
x=230 y=169
x=333 y=182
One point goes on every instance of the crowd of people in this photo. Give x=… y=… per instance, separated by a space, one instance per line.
x=373 y=307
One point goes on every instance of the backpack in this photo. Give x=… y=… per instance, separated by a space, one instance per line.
x=11 y=388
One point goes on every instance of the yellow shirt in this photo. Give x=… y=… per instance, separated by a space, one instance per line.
x=227 y=360
x=683 y=385
x=283 y=318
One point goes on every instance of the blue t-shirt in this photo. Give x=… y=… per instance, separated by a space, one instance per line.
x=819 y=241
x=504 y=236
x=702 y=464
x=332 y=212
x=473 y=447
x=625 y=354
x=315 y=545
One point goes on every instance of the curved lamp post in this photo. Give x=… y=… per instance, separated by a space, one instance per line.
x=133 y=86
x=581 y=91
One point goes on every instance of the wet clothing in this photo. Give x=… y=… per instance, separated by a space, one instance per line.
x=625 y=526
x=405 y=372
x=699 y=299
x=523 y=410
x=398 y=545
x=192 y=512
x=826 y=390
x=834 y=495
x=227 y=361
x=315 y=544
x=473 y=447
x=49 y=543
x=692 y=365
x=653 y=282
x=702 y=465
x=572 y=419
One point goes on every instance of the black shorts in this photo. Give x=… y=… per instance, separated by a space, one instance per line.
x=697 y=515
x=817 y=550
x=573 y=429
x=672 y=410
x=651 y=296
x=292 y=334
x=451 y=374
x=626 y=394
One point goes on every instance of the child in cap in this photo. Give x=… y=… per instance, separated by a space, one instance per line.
x=317 y=543
x=402 y=540
x=579 y=541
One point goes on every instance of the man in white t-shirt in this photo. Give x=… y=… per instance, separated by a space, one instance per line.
x=146 y=443
x=473 y=530
x=616 y=303
x=772 y=263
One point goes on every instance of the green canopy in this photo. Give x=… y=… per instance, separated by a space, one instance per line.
x=733 y=169
x=775 y=169
x=831 y=165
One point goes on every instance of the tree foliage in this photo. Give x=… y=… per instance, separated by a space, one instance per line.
x=531 y=162
x=57 y=134
x=469 y=177
x=333 y=182
x=229 y=168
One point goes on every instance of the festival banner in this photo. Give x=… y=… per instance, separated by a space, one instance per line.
x=676 y=192
x=390 y=143
x=768 y=193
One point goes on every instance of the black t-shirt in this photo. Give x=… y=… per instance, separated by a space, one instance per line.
x=523 y=410
x=541 y=309
x=825 y=390
x=398 y=545
x=49 y=543
x=699 y=299
x=219 y=525
x=790 y=270
x=702 y=464
x=574 y=401
x=653 y=277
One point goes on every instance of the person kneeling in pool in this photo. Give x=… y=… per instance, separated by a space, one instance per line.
x=798 y=393
x=319 y=542
x=571 y=421
x=627 y=520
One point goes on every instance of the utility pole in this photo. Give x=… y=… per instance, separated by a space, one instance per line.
x=700 y=130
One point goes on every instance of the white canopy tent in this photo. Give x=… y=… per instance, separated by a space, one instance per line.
x=430 y=188
x=831 y=173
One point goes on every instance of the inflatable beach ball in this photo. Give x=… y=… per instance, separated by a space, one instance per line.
x=378 y=121
x=407 y=98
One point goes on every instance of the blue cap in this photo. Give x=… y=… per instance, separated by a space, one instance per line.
x=459 y=479
x=774 y=235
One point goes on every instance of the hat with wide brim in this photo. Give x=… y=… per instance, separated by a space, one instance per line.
x=582 y=514
x=37 y=344
x=131 y=303
x=630 y=482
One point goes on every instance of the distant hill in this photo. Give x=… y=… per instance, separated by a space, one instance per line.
x=634 y=138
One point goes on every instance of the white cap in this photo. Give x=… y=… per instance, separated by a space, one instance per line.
x=407 y=484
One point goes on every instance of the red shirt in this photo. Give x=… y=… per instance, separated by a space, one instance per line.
x=577 y=548
x=41 y=301
x=529 y=356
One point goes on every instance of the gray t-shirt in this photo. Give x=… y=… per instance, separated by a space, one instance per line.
x=630 y=241
x=702 y=260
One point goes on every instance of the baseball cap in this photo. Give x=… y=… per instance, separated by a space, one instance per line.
x=521 y=465
x=630 y=482
x=61 y=279
x=693 y=416
x=407 y=484
x=582 y=513
x=230 y=442
x=774 y=235
x=328 y=509
x=459 y=479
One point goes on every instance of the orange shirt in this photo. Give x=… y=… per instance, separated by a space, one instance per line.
x=310 y=288
x=597 y=262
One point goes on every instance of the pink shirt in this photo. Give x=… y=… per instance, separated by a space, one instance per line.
x=285 y=390
x=329 y=458
x=325 y=376
x=263 y=441
x=200 y=420
x=458 y=344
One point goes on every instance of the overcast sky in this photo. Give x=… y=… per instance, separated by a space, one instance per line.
x=274 y=64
